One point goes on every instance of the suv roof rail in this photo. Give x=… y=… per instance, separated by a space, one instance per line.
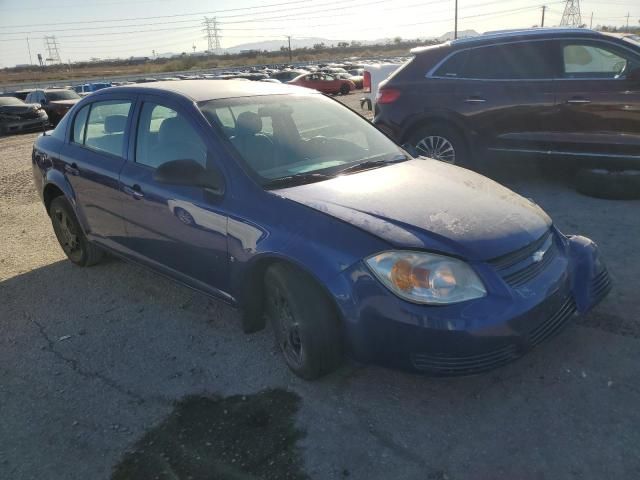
x=524 y=32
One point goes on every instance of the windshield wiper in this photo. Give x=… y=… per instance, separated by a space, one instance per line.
x=367 y=164
x=297 y=179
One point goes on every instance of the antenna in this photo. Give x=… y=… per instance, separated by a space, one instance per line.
x=571 y=16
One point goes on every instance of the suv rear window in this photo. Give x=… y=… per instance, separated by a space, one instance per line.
x=501 y=62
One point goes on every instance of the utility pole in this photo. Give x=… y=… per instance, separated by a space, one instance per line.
x=289 y=38
x=544 y=7
x=627 y=22
x=455 y=23
x=29 y=48
x=591 y=22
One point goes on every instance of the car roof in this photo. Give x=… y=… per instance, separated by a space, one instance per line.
x=524 y=34
x=201 y=90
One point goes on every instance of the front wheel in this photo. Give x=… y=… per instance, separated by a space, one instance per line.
x=344 y=89
x=72 y=239
x=443 y=143
x=304 y=322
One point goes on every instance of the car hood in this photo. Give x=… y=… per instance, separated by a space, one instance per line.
x=19 y=109
x=427 y=204
x=67 y=103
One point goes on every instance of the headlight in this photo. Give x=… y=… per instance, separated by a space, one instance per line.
x=426 y=277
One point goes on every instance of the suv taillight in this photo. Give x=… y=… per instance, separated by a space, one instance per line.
x=387 y=95
x=366 y=82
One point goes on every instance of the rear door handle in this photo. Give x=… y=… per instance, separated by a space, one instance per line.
x=475 y=100
x=578 y=100
x=135 y=191
x=72 y=169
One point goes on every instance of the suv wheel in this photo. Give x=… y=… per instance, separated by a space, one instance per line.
x=441 y=142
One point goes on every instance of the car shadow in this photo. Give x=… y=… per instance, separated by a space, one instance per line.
x=137 y=348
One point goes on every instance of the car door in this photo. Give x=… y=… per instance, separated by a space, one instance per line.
x=91 y=161
x=179 y=230
x=598 y=101
x=505 y=93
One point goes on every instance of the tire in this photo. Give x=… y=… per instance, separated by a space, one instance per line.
x=441 y=134
x=304 y=322
x=72 y=239
x=609 y=184
x=184 y=216
x=344 y=89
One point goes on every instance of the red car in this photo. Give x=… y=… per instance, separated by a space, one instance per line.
x=324 y=83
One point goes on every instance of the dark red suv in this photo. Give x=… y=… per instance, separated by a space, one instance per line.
x=550 y=92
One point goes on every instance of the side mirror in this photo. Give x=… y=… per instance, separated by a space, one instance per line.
x=191 y=174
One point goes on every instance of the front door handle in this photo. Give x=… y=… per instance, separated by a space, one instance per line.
x=578 y=100
x=135 y=191
x=72 y=169
x=475 y=100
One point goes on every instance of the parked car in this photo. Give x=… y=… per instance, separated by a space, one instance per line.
x=87 y=88
x=357 y=81
x=287 y=75
x=20 y=94
x=324 y=83
x=55 y=101
x=289 y=205
x=17 y=116
x=373 y=76
x=572 y=93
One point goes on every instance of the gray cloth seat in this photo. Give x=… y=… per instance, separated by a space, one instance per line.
x=256 y=148
x=176 y=140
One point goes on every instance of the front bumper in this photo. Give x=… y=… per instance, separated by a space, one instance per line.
x=477 y=335
x=24 y=125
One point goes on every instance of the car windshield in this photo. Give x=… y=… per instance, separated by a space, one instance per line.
x=299 y=137
x=6 y=101
x=54 y=95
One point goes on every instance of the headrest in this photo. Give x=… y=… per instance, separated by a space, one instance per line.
x=248 y=123
x=115 y=123
x=175 y=129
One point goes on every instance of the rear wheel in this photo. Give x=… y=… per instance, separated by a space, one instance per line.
x=441 y=142
x=304 y=322
x=70 y=235
x=344 y=89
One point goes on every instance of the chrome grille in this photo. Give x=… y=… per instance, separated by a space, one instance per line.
x=519 y=267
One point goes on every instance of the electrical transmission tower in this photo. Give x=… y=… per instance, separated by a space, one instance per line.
x=51 y=44
x=212 y=34
x=571 y=16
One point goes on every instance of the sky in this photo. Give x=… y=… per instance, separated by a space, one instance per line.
x=124 y=28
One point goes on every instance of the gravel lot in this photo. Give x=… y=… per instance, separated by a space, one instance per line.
x=95 y=363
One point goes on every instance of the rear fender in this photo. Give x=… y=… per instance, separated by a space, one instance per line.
x=55 y=178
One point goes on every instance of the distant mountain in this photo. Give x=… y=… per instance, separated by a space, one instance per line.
x=271 y=45
x=461 y=34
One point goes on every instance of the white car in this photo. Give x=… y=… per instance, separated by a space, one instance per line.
x=373 y=76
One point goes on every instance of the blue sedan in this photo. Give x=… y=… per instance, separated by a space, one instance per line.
x=291 y=207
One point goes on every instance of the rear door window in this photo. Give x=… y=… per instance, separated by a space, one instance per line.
x=79 y=125
x=106 y=126
x=516 y=61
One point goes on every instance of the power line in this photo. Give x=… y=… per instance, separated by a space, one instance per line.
x=129 y=19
